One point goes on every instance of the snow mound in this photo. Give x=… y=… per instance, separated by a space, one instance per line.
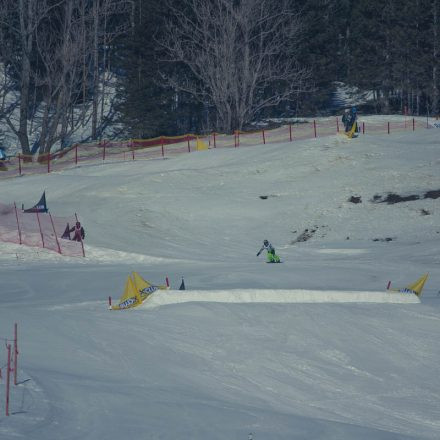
x=277 y=296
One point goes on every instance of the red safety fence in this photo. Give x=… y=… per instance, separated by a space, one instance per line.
x=38 y=230
x=133 y=149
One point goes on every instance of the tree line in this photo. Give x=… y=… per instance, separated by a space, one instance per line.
x=183 y=66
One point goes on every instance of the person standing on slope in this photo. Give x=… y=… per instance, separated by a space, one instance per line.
x=78 y=232
x=271 y=256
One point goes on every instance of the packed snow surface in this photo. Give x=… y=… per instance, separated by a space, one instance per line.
x=313 y=348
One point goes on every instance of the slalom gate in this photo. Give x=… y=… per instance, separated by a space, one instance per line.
x=167 y=146
x=38 y=229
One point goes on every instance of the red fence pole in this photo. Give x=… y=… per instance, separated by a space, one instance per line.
x=8 y=374
x=15 y=353
x=55 y=234
x=290 y=132
x=18 y=223
x=39 y=225
x=264 y=137
x=314 y=127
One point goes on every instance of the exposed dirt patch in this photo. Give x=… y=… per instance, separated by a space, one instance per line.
x=432 y=194
x=307 y=234
x=392 y=198
x=355 y=199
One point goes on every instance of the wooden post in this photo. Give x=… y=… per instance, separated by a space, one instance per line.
x=19 y=164
x=39 y=225
x=15 y=353
x=189 y=146
x=109 y=302
x=235 y=139
x=290 y=132
x=388 y=285
x=55 y=234
x=161 y=143
x=414 y=124
x=103 y=152
x=388 y=128
x=214 y=139
x=76 y=154
x=337 y=124
x=8 y=375
x=167 y=282
x=314 y=127
x=48 y=162
x=363 y=127
x=18 y=224
x=264 y=137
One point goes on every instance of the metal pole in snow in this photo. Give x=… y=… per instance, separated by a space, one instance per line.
x=168 y=282
x=388 y=128
x=314 y=127
x=388 y=285
x=337 y=125
x=290 y=132
x=264 y=137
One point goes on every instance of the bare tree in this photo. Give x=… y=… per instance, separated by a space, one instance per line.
x=237 y=56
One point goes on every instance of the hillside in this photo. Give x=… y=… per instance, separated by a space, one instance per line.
x=238 y=352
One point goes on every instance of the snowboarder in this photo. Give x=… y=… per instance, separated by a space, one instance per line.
x=78 y=232
x=272 y=257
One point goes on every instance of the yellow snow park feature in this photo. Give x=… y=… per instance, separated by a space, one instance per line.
x=352 y=131
x=130 y=298
x=145 y=288
x=136 y=291
x=415 y=287
x=201 y=145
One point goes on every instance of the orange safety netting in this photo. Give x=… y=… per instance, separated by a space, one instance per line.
x=133 y=149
